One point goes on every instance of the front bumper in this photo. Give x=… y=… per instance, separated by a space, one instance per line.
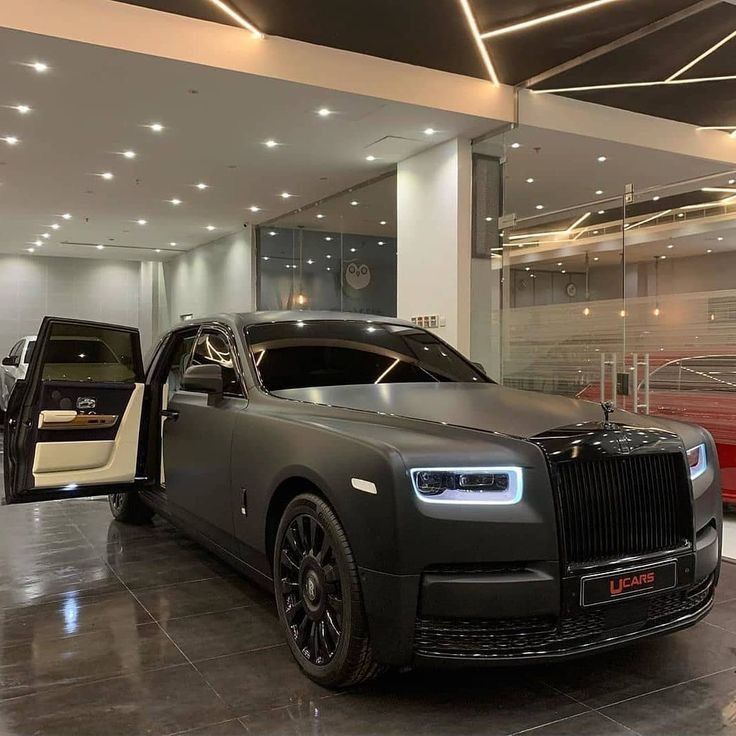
x=527 y=613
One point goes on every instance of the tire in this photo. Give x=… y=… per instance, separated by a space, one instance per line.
x=318 y=594
x=129 y=508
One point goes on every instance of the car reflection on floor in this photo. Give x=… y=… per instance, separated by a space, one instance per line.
x=106 y=628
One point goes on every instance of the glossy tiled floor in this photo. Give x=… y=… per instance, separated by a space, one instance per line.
x=109 y=629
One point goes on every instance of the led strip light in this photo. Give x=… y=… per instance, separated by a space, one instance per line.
x=237 y=17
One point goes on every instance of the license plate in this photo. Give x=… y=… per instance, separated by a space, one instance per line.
x=629 y=583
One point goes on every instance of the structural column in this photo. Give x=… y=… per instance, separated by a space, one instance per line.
x=434 y=239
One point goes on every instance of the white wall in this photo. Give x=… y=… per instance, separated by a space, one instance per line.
x=433 y=228
x=213 y=278
x=32 y=287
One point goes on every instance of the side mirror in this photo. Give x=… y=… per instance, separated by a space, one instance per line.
x=11 y=361
x=479 y=366
x=206 y=379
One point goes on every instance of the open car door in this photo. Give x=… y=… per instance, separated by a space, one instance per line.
x=74 y=426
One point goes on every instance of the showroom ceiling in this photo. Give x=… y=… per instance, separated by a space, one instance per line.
x=607 y=42
x=93 y=104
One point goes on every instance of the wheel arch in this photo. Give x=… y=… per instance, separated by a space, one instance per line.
x=288 y=489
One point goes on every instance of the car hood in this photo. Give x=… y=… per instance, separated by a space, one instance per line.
x=487 y=407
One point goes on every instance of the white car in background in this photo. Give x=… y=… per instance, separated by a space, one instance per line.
x=14 y=366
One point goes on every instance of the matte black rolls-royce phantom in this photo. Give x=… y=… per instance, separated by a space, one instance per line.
x=401 y=505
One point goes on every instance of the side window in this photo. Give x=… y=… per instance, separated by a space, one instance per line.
x=15 y=350
x=666 y=378
x=709 y=373
x=76 y=352
x=178 y=362
x=213 y=347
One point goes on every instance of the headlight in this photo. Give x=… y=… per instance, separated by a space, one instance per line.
x=697 y=459
x=476 y=486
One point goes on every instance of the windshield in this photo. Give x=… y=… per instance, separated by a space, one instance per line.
x=342 y=353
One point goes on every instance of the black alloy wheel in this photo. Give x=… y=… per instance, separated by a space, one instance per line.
x=318 y=595
x=129 y=508
x=311 y=589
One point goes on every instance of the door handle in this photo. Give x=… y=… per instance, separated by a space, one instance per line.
x=171 y=414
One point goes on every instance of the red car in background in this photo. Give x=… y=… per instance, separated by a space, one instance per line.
x=699 y=389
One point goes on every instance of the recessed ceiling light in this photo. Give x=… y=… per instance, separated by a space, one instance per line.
x=329 y=256
x=710 y=250
x=540 y=206
x=310 y=262
x=370 y=158
x=352 y=250
x=285 y=195
x=201 y=185
x=129 y=154
x=328 y=269
x=23 y=109
x=175 y=201
x=38 y=243
x=328 y=238
x=324 y=112
x=601 y=159
x=381 y=242
x=210 y=227
x=40 y=66
x=516 y=145
x=173 y=245
x=272 y=233
x=354 y=203
x=527 y=268
x=383 y=222
x=595 y=232
x=45 y=235
x=681 y=214
x=601 y=212
x=100 y=247
x=670 y=246
x=67 y=216
x=732 y=181
x=156 y=127
x=489 y=219
x=530 y=180
x=11 y=140
x=599 y=191
x=595 y=258
x=158 y=250
x=107 y=175
x=55 y=226
x=429 y=131
x=265 y=258
x=662 y=258
x=655 y=198
x=270 y=143
x=563 y=271
x=254 y=208
x=720 y=237
x=320 y=216
x=141 y=222
x=31 y=250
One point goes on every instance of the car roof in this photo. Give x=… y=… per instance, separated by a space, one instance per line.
x=246 y=319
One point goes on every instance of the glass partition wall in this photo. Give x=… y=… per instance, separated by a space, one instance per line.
x=336 y=254
x=629 y=296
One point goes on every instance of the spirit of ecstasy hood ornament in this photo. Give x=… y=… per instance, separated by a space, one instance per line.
x=608 y=408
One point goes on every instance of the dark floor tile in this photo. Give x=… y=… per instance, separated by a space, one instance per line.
x=259 y=680
x=229 y=728
x=726 y=589
x=699 y=708
x=201 y=596
x=723 y=615
x=154 y=573
x=641 y=668
x=586 y=724
x=149 y=548
x=152 y=703
x=123 y=647
x=430 y=703
x=227 y=632
x=51 y=584
x=69 y=616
